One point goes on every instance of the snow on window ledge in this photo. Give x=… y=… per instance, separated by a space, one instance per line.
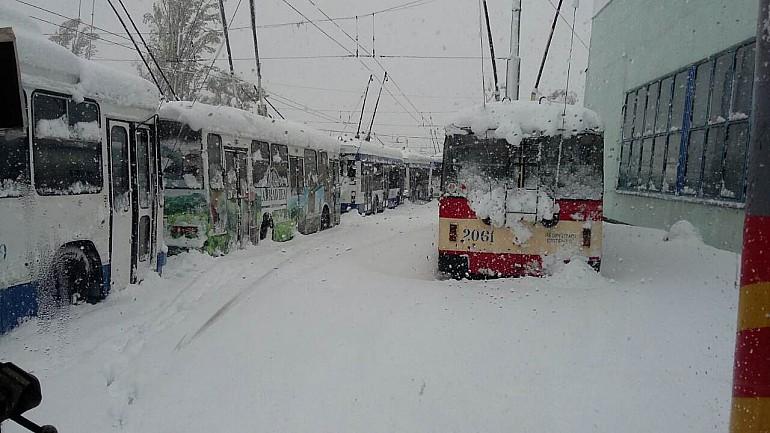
x=732 y=204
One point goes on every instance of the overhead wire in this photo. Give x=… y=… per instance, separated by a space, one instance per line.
x=379 y=64
x=571 y=27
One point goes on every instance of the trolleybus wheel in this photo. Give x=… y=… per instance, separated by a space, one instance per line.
x=76 y=276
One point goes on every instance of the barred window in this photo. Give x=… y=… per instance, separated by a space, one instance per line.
x=687 y=133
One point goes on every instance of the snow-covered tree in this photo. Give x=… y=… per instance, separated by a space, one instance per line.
x=224 y=89
x=77 y=37
x=183 y=35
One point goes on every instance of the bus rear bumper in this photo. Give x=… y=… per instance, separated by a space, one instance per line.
x=467 y=264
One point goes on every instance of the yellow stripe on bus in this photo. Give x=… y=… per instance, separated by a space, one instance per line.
x=565 y=238
x=750 y=415
x=754 y=307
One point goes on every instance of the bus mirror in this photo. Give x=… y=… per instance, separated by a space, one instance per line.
x=12 y=113
x=19 y=391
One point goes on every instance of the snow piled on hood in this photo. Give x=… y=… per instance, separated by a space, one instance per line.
x=245 y=124
x=40 y=58
x=514 y=120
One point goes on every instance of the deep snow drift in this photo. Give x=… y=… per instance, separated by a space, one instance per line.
x=349 y=330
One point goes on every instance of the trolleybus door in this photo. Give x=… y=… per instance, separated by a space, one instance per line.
x=132 y=164
x=237 y=189
x=143 y=151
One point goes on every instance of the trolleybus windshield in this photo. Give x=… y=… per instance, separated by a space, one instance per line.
x=564 y=167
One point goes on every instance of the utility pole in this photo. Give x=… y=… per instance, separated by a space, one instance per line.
x=261 y=107
x=751 y=371
x=514 y=61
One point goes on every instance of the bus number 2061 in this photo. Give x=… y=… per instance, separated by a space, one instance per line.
x=478 y=235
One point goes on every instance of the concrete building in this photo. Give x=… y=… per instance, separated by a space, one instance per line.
x=672 y=80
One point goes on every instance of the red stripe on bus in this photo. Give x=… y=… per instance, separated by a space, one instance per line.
x=499 y=263
x=751 y=374
x=454 y=207
x=755 y=267
x=580 y=210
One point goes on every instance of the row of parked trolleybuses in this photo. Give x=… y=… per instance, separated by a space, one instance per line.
x=99 y=181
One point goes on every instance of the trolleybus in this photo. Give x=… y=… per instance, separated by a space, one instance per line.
x=522 y=187
x=80 y=197
x=231 y=177
x=417 y=181
x=372 y=176
x=435 y=175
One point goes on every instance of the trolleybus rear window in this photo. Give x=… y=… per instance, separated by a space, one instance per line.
x=67 y=146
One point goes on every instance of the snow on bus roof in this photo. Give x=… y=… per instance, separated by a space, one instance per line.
x=45 y=62
x=416 y=158
x=514 y=120
x=245 y=124
x=356 y=146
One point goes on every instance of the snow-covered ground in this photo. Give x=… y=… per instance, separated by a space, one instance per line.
x=349 y=330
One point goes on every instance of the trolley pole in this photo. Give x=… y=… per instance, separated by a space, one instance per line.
x=751 y=373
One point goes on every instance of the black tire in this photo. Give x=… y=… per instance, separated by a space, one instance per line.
x=77 y=276
x=376 y=205
x=325 y=219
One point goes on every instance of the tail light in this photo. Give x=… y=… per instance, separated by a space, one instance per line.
x=586 y=237
x=453 y=232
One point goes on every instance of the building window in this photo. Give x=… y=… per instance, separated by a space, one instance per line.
x=687 y=133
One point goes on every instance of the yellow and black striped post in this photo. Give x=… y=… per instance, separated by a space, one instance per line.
x=751 y=374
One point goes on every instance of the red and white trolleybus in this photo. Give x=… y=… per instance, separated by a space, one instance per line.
x=522 y=187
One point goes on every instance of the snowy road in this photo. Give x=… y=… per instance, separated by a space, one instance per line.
x=349 y=330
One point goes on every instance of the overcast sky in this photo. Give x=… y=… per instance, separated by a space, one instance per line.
x=311 y=82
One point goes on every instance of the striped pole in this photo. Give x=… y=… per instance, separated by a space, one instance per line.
x=751 y=374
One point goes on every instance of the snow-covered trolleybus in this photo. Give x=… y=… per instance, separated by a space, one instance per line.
x=417 y=179
x=232 y=176
x=372 y=176
x=522 y=187
x=79 y=187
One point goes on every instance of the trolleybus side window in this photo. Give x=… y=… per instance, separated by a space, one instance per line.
x=119 y=150
x=323 y=168
x=214 y=148
x=260 y=163
x=14 y=153
x=297 y=175
x=311 y=168
x=279 y=160
x=144 y=238
x=143 y=167
x=67 y=146
x=180 y=156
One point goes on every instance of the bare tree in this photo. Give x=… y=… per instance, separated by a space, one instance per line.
x=77 y=37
